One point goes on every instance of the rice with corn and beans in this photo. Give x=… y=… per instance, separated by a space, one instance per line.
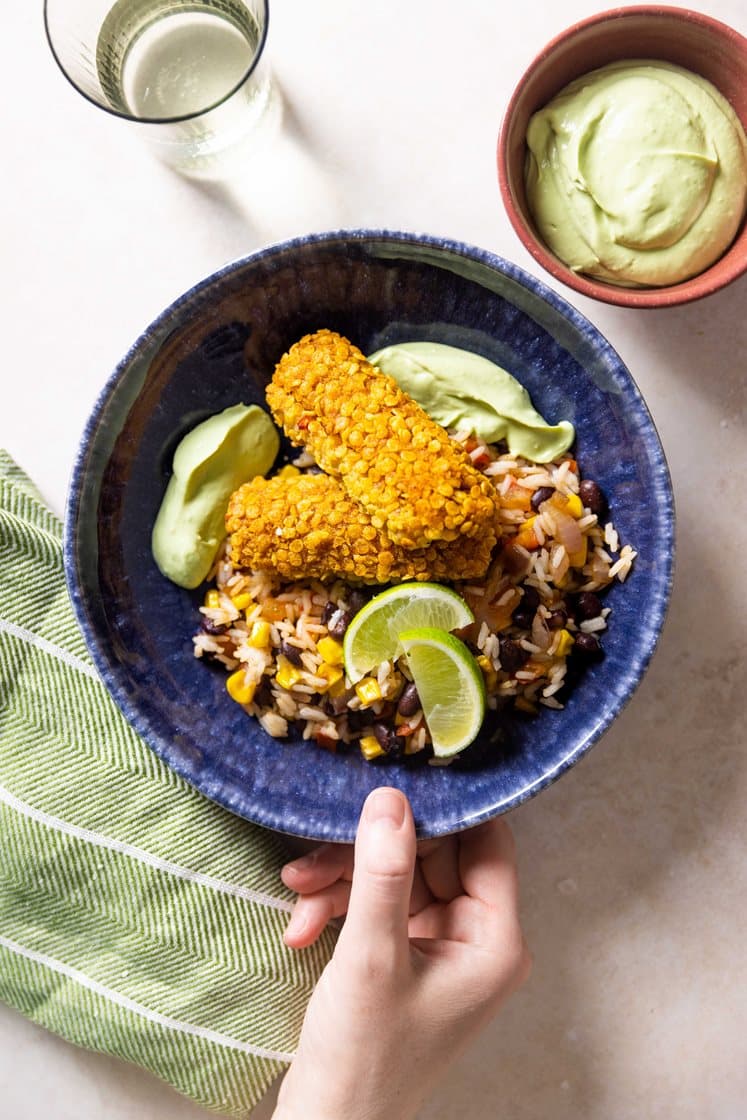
x=539 y=611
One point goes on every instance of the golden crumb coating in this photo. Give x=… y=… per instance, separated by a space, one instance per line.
x=390 y=456
x=307 y=526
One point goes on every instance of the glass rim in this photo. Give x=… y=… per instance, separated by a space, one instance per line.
x=181 y=117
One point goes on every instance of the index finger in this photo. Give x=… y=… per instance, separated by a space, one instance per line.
x=487 y=864
x=319 y=868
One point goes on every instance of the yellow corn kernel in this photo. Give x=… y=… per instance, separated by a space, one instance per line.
x=574 y=506
x=259 y=636
x=331 y=673
x=368 y=690
x=212 y=598
x=563 y=643
x=239 y=689
x=288 y=471
x=371 y=747
x=287 y=674
x=330 y=650
x=338 y=687
x=488 y=671
x=242 y=600
x=526 y=706
x=528 y=523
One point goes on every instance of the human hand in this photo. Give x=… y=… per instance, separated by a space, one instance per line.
x=430 y=948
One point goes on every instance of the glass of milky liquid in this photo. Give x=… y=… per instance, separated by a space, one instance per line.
x=188 y=73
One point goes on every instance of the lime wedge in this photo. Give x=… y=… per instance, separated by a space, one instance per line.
x=373 y=634
x=450 y=686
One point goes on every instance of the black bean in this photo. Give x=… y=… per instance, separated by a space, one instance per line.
x=397 y=746
x=530 y=597
x=587 y=646
x=388 y=739
x=540 y=495
x=356 y=600
x=382 y=733
x=263 y=695
x=512 y=655
x=588 y=605
x=293 y=653
x=214 y=628
x=339 y=623
x=557 y=619
x=592 y=497
x=359 y=721
x=523 y=618
x=328 y=610
x=409 y=701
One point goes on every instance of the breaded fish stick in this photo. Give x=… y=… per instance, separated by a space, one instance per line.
x=391 y=457
x=306 y=526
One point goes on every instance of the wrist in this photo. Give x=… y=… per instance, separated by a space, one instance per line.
x=299 y=1101
x=301 y=1098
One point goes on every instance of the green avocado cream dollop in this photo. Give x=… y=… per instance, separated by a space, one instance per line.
x=636 y=173
x=460 y=389
x=210 y=463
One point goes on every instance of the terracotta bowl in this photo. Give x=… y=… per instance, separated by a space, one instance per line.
x=689 y=39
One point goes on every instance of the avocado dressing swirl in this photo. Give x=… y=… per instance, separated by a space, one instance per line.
x=636 y=174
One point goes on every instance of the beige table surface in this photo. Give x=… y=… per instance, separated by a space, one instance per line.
x=633 y=865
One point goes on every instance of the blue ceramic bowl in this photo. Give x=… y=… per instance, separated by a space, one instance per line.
x=218 y=344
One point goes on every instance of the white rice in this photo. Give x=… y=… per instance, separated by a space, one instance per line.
x=302 y=613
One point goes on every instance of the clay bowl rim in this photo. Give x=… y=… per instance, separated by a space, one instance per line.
x=596 y=28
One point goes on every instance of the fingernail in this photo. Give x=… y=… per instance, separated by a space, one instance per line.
x=386 y=805
x=297 y=924
x=303 y=863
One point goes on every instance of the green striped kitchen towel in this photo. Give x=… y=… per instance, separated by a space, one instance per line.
x=136 y=917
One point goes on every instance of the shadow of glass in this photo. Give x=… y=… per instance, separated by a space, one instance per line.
x=274 y=183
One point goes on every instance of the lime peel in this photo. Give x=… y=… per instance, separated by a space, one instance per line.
x=373 y=635
x=450 y=685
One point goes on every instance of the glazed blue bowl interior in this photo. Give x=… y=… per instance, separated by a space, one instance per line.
x=218 y=345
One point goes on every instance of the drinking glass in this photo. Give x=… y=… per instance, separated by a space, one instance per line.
x=189 y=74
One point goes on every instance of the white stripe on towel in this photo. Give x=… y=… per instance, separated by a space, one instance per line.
x=49 y=647
x=138 y=1009
x=157 y=862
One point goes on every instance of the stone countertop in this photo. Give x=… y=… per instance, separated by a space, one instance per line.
x=632 y=866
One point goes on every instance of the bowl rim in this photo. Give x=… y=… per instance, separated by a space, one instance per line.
x=110 y=668
x=673 y=295
x=52 y=38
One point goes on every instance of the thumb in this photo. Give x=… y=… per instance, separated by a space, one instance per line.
x=383 y=871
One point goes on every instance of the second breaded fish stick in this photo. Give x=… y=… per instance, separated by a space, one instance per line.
x=390 y=456
x=307 y=526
